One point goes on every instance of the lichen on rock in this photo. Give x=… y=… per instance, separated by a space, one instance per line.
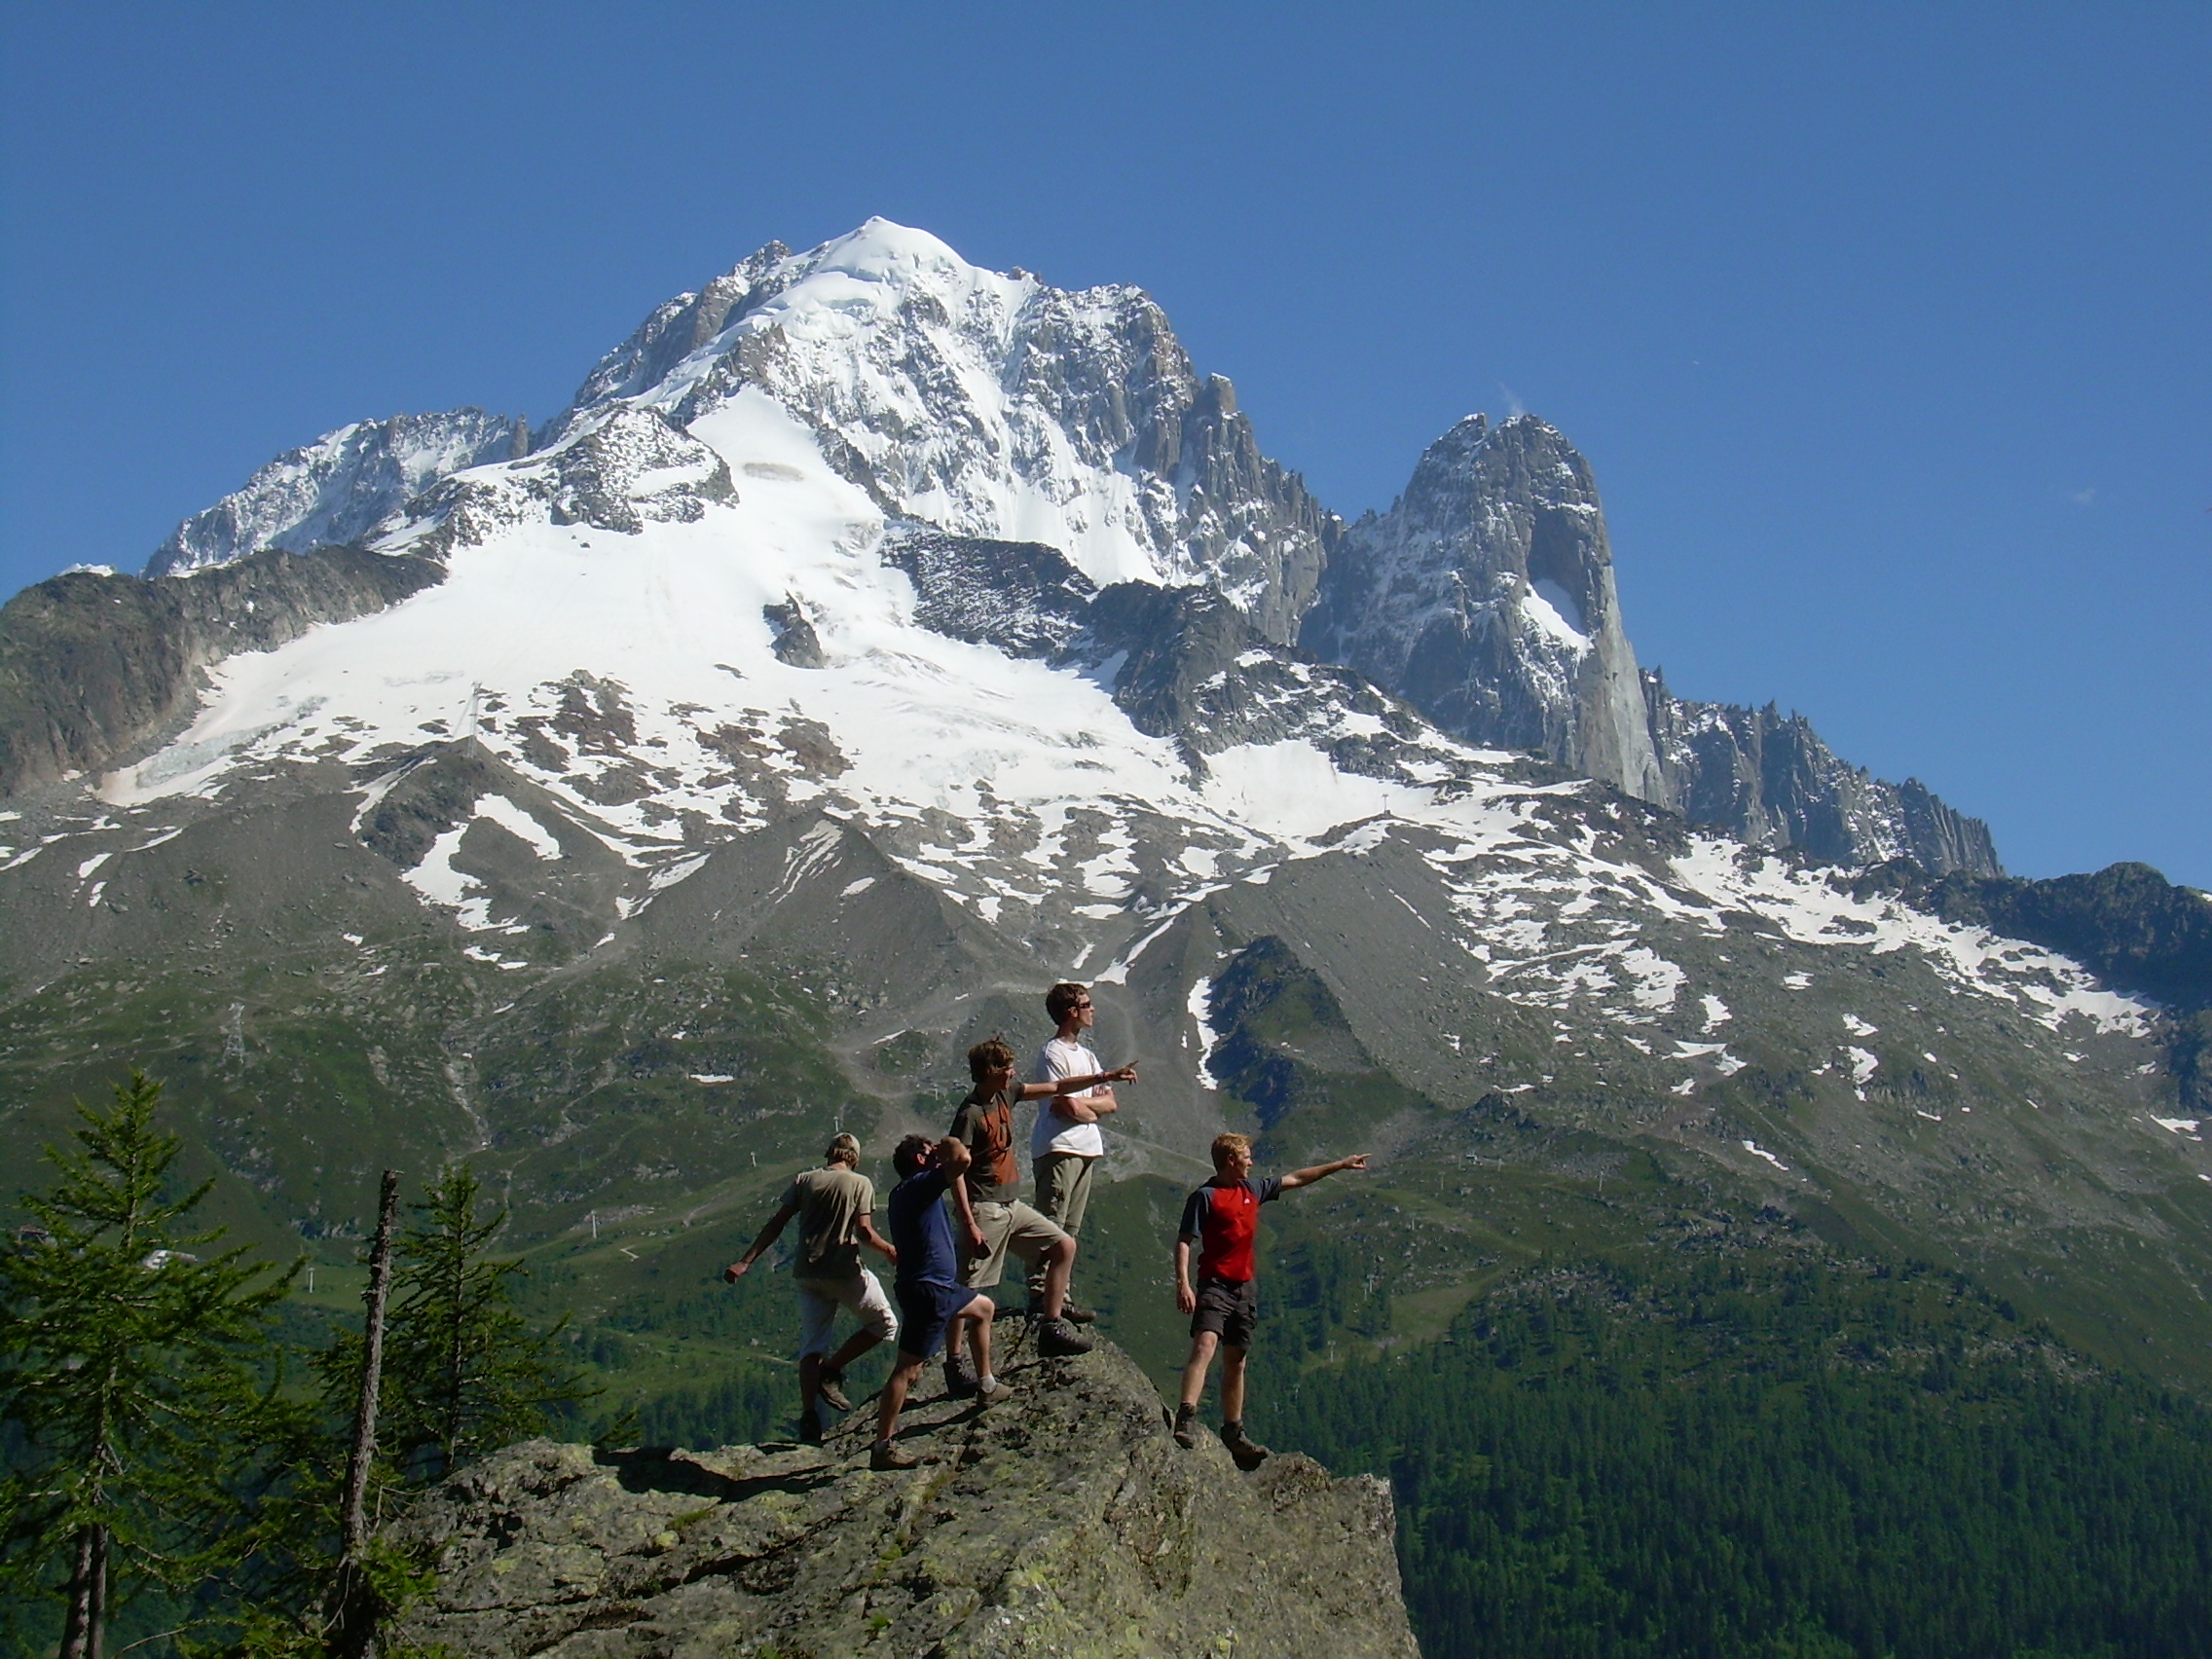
x=1065 y=1521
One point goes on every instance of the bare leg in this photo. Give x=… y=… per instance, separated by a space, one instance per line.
x=1233 y=1384
x=856 y=1344
x=979 y=1314
x=979 y=1337
x=894 y=1399
x=1195 y=1373
x=1060 y=1262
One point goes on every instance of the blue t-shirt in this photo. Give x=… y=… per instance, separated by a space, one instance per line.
x=921 y=1231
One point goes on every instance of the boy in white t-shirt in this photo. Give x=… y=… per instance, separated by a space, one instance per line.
x=1066 y=1145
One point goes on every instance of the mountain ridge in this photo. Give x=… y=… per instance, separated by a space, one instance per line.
x=999 y=408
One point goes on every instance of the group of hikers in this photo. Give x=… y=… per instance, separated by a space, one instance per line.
x=957 y=1213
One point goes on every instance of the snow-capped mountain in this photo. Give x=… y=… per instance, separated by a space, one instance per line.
x=997 y=407
x=991 y=406
x=876 y=637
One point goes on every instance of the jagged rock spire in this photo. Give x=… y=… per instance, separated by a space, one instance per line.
x=1485 y=598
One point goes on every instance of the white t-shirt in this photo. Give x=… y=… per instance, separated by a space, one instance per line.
x=1053 y=1133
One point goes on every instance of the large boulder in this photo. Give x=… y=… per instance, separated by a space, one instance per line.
x=1065 y=1521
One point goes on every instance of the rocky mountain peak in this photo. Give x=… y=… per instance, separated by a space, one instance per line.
x=1485 y=597
x=982 y=427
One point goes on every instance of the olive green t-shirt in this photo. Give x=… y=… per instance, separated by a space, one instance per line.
x=829 y=1202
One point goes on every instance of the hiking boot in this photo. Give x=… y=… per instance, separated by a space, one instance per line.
x=1186 y=1426
x=883 y=1455
x=1069 y=1312
x=809 y=1429
x=1057 y=1338
x=959 y=1376
x=992 y=1392
x=831 y=1388
x=1249 y=1454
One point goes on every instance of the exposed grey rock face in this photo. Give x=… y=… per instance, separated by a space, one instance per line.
x=93 y=667
x=1772 y=781
x=1065 y=1521
x=620 y=470
x=796 y=641
x=1020 y=596
x=335 y=489
x=1485 y=598
x=550 y=889
x=1186 y=663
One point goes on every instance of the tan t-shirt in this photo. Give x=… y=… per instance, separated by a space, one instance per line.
x=829 y=1202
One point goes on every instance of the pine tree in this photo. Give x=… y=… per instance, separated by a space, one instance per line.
x=464 y=1371
x=137 y=1377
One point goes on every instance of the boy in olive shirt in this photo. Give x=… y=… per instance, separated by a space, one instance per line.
x=834 y=1205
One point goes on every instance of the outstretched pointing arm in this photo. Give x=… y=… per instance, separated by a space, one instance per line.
x=1322 y=1172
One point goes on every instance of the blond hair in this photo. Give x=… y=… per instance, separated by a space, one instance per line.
x=844 y=1149
x=1224 y=1145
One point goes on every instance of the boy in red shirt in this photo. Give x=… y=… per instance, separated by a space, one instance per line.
x=1222 y=1219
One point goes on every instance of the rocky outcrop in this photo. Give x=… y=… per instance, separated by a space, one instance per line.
x=1186 y=663
x=1771 y=780
x=1020 y=596
x=1485 y=598
x=335 y=489
x=93 y=667
x=621 y=471
x=1063 y=1522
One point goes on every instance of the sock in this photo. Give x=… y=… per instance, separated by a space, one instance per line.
x=987 y=1382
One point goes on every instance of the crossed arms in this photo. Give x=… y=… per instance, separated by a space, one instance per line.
x=1094 y=1101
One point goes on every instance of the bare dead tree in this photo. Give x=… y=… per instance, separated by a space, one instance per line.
x=352 y=1607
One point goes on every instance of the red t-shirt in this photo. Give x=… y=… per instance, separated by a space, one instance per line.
x=1224 y=1217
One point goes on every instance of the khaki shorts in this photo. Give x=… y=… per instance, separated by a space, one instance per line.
x=819 y=1300
x=1007 y=1227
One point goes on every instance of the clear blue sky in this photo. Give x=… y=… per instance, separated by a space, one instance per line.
x=1884 y=327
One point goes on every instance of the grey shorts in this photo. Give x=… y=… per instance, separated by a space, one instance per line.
x=1007 y=1227
x=1230 y=1309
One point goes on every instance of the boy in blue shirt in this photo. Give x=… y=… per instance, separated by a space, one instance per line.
x=928 y=1287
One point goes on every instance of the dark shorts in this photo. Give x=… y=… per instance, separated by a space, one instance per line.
x=1227 y=1308
x=925 y=1309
